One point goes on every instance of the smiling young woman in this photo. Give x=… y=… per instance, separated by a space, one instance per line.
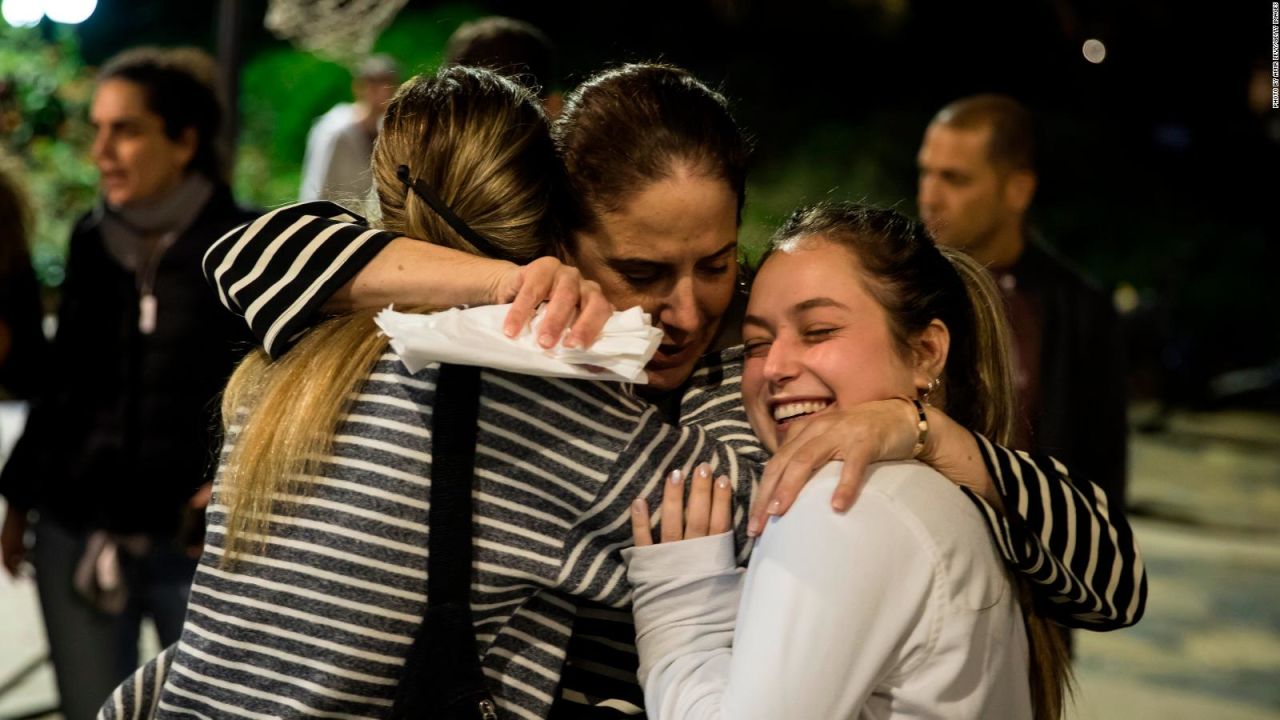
x=900 y=607
x=815 y=341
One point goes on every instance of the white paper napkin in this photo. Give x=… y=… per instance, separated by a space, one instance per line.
x=473 y=336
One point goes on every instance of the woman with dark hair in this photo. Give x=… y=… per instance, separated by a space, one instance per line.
x=657 y=166
x=119 y=444
x=852 y=304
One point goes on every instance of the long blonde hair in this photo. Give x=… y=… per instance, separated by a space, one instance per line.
x=916 y=281
x=482 y=143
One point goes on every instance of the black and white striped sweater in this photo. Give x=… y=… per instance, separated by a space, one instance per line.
x=318 y=623
x=1084 y=562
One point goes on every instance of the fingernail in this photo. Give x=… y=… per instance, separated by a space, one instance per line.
x=676 y=476
x=546 y=340
x=753 y=527
x=722 y=482
x=509 y=331
x=571 y=342
x=637 y=505
x=774 y=508
x=703 y=472
x=840 y=503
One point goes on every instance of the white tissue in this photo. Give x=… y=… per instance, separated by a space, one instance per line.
x=473 y=336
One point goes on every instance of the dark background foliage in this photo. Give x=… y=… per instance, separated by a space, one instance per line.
x=1158 y=172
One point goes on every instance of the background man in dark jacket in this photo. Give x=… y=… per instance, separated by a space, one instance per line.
x=977 y=180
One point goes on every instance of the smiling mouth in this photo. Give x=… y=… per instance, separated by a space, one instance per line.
x=786 y=412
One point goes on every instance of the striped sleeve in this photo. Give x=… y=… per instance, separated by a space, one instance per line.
x=1083 y=560
x=599 y=676
x=137 y=697
x=317 y=620
x=713 y=403
x=279 y=270
x=640 y=471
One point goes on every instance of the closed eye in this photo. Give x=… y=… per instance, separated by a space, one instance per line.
x=818 y=334
x=641 y=279
x=639 y=274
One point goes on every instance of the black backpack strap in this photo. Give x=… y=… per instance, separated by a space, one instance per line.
x=442 y=676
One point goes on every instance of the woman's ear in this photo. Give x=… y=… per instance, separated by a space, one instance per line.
x=930 y=352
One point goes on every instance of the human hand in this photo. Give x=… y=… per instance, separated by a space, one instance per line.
x=570 y=298
x=12 y=539
x=707 y=512
x=866 y=433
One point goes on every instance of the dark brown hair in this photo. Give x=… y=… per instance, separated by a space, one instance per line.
x=508 y=46
x=181 y=86
x=916 y=281
x=1012 y=141
x=628 y=127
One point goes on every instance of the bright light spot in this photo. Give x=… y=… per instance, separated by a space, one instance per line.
x=22 y=13
x=1094 y=51
x=70 y=12
x=1126 y=298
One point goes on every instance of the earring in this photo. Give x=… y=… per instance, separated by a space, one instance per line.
x=934 y=384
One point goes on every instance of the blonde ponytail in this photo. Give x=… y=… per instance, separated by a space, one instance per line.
x=1050 y=672
x=483 y=144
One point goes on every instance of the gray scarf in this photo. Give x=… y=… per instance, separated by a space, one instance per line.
x=136 y=235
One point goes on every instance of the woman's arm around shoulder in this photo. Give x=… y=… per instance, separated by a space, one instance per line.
x=283 y=271
x=280 y=270
x=1060 y=531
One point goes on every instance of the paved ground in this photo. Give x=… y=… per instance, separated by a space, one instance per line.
x=1206 y=498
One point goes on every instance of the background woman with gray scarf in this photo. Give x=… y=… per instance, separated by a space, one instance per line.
x=120 y=442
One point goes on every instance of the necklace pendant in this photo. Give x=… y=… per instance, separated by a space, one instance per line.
x=147 y=314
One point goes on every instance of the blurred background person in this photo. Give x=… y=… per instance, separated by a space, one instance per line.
x=340 y=144
x=22 y=342
x=510 y=47
x=976 y=183
x=118 y=448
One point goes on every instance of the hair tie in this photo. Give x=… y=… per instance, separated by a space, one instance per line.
x=429 y=196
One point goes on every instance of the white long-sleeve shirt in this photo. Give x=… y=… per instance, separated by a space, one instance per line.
x=899 y=608
x=335 y=165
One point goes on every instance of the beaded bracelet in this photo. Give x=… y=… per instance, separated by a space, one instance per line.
x=922 y=426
